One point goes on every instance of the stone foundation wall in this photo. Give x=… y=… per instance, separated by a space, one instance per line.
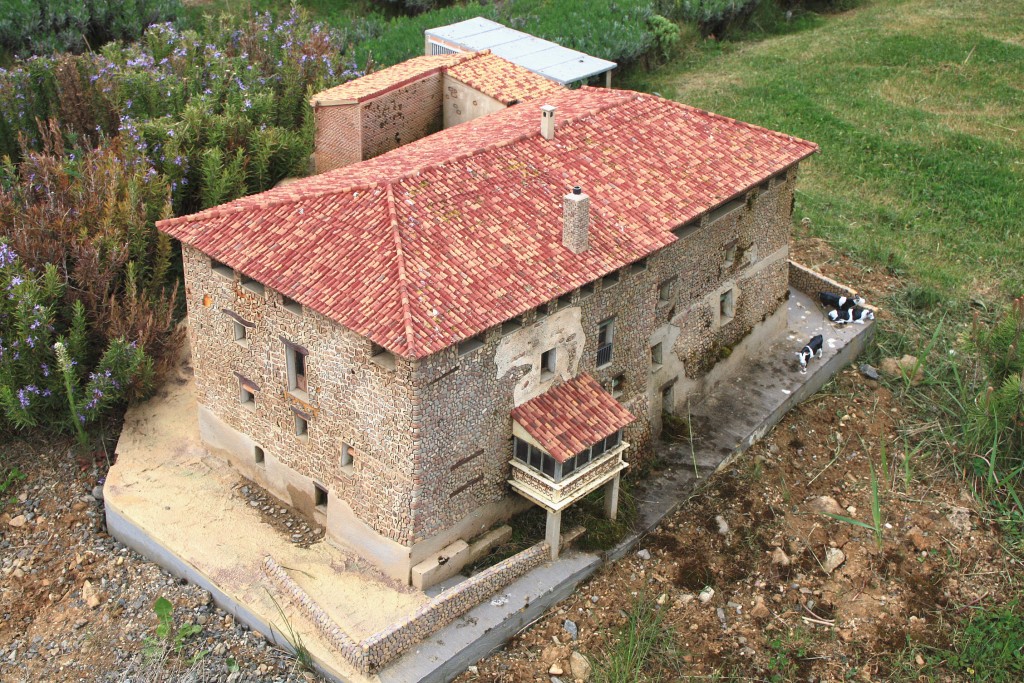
x=810 y=282
x=450 y=604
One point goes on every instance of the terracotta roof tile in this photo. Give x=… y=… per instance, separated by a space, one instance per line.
x=572 y=416
x=438 y=240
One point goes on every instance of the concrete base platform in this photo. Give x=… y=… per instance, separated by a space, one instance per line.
x=170 y=499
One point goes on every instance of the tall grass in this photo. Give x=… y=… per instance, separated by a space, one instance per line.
x=644 y=643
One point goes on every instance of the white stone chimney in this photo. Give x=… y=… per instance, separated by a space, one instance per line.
x=576 y=221
x=547 y=121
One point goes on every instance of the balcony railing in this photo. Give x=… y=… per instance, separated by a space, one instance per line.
x=604 y=354
x=533 y=485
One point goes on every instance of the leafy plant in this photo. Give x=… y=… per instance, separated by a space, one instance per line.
x=7 y=482
x=167 y=637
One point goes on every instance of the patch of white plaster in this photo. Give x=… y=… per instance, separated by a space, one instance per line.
x=563 y=331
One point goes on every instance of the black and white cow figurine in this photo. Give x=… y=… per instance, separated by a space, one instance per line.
x=840 y=303
x=813 y=349
x=856 y=314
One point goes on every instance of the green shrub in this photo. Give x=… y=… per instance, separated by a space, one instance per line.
x=48 y=26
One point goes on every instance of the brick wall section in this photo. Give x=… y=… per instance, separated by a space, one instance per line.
x=450 y=604
x=350 y=398
x=401 y=116
x=338 y=136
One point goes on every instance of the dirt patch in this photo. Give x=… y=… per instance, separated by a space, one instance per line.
x=785 y=606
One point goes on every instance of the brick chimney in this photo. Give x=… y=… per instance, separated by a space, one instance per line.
x=576 y=221
x=547 y=121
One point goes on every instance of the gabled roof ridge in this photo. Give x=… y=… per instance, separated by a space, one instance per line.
x=403 y=278
x=236 y=206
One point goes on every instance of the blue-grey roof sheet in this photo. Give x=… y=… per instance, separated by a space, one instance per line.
x=551 y=60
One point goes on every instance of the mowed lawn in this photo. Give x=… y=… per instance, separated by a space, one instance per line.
x=918 y=107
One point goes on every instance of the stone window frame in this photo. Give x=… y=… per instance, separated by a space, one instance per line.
x=666 y=289
x=240 y=327
x=251 y=284
x=610 y=280
x=474 y=343
x=302 y=420
x=686 y=229
x=247 y=390
x=259 y=455
x=291 y=305
x=297 y=382
x=222 y=269
x=321 y=497
x=587 y=289
x=657 y=357
x=731 y=250
x=347 y=458
x=724 y=304
x=565 y=301
x=638 y=266
x=605 y=328
x=513 y=324
x=616 y=385
x=381 y=356
x=548 y=363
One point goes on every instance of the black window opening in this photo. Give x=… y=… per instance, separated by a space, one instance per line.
x=543 y=463
x=605 y=339
x=320 y=496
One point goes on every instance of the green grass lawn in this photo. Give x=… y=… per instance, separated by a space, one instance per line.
x=919 y=110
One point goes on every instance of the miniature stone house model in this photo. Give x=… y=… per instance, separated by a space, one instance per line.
x=423 y=341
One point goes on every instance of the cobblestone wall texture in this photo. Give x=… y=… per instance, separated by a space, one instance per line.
x=810 y=282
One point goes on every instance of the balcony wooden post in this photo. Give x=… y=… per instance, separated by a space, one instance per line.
x=611 y=498
x=553 y=533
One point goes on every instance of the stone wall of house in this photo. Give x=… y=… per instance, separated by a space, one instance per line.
x=349 y=400
x=338 y=136
x=811 y=283
x=401 y=116
x=466 y=443
x=463 y=103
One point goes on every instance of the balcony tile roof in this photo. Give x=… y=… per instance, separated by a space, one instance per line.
x=443 y=238
x=571 y=417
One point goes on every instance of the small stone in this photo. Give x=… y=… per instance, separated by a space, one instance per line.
x=662 y=599
x=555 y=670
x=919 y=660
x=220 y=649
x=720 y=613
x=91 y=595
x=644 y=554
x=780 y=557
x=869 y=371
x=759 y=610
x=571 y=628
x=723 y=526
x=97 y=492
x=916 y=536
x=833 y=558
x=826 y=505
x=580 y=666
x=706 y=595
x=773 y=449
x=18 y=521
x=475 y=670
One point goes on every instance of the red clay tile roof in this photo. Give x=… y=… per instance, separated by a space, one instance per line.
x=501 y=79
x=572 y=416
x=487 y=72
x=438 y=240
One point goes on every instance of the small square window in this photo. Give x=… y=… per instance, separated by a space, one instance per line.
x=260 y=455
x=726 y=307
x=686 y=229
x=564 y=301
x=617 y=386
x=241 y=335
x=247 y=395
x=666 y=288
x=547 y=363
x=320 y=496
x=222 y=269
x=638 y=266
x=610 y=280
x=301 y=426
x=510 y=326
x=252 y=285
x=346 y=456
x=586 y=290
x=382 y=357
x=472 y=344
x=291 y=305
x=656 y=355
